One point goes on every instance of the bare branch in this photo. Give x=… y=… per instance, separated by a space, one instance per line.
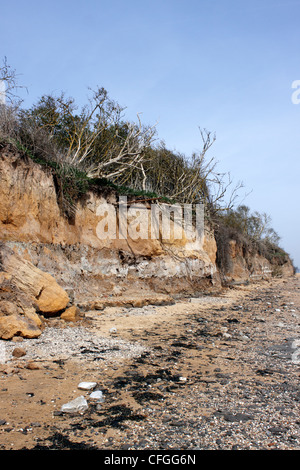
x=9 y=79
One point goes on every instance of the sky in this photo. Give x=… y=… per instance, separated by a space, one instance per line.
x=228 y=66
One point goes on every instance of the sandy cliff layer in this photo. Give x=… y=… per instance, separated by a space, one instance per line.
x=253 y=266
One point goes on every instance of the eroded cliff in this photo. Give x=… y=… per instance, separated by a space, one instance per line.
x=36 y=237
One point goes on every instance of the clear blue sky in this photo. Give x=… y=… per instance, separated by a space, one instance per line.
x=223 y=65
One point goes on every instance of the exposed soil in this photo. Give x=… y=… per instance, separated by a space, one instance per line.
x=217 y=372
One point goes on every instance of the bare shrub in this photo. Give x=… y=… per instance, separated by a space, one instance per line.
x=9 y=122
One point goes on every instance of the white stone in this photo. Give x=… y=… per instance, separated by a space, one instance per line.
x=226 y=335
x=97 y=395
x=87 y=385
x=245 y=337
x=78 y=405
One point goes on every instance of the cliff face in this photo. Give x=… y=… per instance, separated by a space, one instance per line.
x=254 y=266
x=88 y=267
x=32 y=225
x=243 y=268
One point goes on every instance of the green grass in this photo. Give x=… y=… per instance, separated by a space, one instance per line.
x=73 y=184
x=127 y=191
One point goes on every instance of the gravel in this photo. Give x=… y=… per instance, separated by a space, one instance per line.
x=72 y=342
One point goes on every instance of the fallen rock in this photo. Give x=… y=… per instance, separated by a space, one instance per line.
x=97 y=395
x=19 y=352
x=71 y=314
x=78 y=405
x=18 y=317
x=17 y=339
x=40 y=286
x=18 y=320
x=32 y=366
x=87 y=385
x=226 y=336
x=18 y=325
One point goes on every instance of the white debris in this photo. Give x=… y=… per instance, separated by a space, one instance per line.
x=226 y=335
x=97 y=395
x=78 y=405
x=87 y=385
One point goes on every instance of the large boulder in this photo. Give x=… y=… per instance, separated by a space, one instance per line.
x=18 y=317
x=42 y=288
x=25 y=293
x=18 y=325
